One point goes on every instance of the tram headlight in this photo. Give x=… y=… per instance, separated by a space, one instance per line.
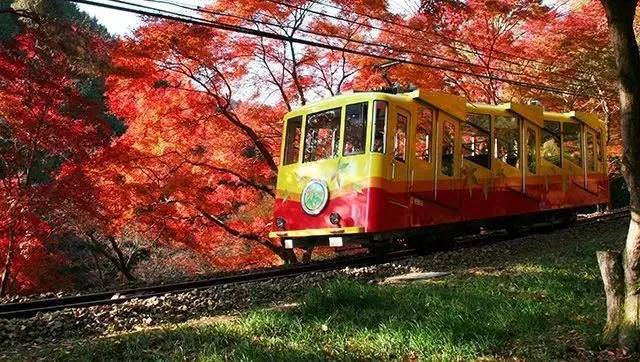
x=335 y=218
x=281 y=223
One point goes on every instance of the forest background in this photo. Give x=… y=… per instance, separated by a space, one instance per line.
x=153 y=156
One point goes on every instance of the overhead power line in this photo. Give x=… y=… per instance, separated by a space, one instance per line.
x=424 y=31
x=182 y=18
x=475 y=51
x=367 y=43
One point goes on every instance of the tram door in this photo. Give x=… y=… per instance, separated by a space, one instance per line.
x=530 y=159
x=507 y=172
x=399 y=163
x=446 y=193
x=591 y=182
x=572 y=166
x=421 y=175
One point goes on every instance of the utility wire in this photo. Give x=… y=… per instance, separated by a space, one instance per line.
x=168 y=15
x=366 y=43
x=387 y=30
x=476 y=52
x=582 y=83
x=409 y=27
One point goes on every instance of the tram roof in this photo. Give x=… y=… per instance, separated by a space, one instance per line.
x=454 y=105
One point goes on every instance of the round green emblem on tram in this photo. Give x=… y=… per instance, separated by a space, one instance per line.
x=314 y=197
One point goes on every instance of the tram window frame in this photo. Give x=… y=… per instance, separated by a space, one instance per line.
x=424 y=134
x=483 y=159
x=400 y=139
x=568 y=152
x=532 y=150
x=599 y=147
x=547 y=135
x=362 y=108
x=590 y=152
x=375 y=126
x=335 y=144
x=297 y=139
x=448 y=144
x=499 y=141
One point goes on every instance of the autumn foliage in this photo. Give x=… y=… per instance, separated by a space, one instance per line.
x=47 y=126
x=172 y=133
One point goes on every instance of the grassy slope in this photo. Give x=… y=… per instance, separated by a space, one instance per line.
x=542 y=300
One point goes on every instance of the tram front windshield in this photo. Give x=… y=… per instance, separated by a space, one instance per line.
x=322 y=135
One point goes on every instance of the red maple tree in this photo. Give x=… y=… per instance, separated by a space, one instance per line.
x=203 y=111
x=45 y=122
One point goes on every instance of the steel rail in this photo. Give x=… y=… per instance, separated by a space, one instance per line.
x=31 y=308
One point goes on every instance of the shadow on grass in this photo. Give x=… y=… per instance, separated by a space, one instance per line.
x=459 y=319
x=214 y=342
x=544 y=303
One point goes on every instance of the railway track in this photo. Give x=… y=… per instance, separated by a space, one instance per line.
x=31 y=308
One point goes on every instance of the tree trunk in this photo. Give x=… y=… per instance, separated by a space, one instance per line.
x=287 y=256
x=6 y=272
x=308 y=253
x=124 y=268
x=610 y=263
x=620 y=16
x=118 y=261
x=629 y=325
x=98 y=266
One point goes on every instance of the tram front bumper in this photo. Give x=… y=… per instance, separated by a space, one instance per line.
x=333 y=235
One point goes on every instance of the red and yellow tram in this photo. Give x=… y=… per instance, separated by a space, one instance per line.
x=363 y=167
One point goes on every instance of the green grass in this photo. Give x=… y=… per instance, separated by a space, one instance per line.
x=544 y=303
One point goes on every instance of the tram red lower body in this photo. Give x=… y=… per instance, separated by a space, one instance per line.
x=377 y=210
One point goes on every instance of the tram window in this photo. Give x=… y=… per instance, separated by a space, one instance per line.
x=355 y=129
x=599 y=147
x=571 y=142
x=292 y=140
x=322 y=135
x=379 y=133
x=531 y=150
x=475 y=139
x=400 y=140
x=551 y=142
x=424 y=130
x=448 y=148
x=591 y=155
x=507 y=140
